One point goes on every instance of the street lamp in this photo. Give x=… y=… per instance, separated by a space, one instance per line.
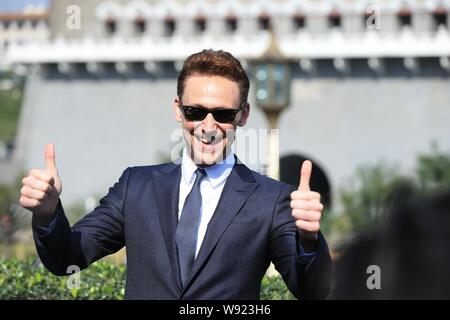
x=271 y=75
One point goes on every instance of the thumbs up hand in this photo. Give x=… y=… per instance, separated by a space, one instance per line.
x=41 y=188
x=306 y=205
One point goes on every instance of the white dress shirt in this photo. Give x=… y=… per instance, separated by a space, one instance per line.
x=210 y=187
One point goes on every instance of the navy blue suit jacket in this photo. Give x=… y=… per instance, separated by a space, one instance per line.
x=252 y=225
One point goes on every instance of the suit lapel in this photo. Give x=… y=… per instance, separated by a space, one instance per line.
x=167 y=188
x=238 y=188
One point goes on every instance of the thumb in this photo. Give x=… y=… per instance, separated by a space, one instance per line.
x=305 y=176
x=50 y=163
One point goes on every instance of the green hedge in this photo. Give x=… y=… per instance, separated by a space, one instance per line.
x=25 y=280
x=102 y=280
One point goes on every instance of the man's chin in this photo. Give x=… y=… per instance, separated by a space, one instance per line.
x=207 y=155
x=207 y=159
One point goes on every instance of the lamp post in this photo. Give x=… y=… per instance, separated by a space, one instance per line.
x=271 y=75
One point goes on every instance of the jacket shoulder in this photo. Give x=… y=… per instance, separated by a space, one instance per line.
x=268 y=183
x=147 y=171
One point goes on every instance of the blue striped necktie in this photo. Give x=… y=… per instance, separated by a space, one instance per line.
x=187 y=229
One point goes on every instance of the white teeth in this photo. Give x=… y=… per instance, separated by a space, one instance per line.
x=204 y=141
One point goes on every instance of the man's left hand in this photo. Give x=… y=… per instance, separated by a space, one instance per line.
x=306 y=205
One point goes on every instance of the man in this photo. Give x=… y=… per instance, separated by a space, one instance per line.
x=205 y=229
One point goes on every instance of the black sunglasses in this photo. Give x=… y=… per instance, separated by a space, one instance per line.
x=223 y=115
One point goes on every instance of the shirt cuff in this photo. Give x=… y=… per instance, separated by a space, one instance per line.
x=302 y=252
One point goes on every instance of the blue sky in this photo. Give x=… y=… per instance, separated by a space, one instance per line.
x=19 y=5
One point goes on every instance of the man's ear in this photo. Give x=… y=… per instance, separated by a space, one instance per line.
x=244 y=115
x=176 y=109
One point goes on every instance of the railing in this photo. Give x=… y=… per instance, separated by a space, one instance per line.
x=301 y=45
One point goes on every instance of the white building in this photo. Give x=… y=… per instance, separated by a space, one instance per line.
x=370 y=82
x=18 y=28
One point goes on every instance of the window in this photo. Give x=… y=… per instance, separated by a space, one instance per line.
x=231 y=23
x=200 y=24
x=264 y=21
x=370 y=20
x=111 y=26
x=34 y=23
x=140 y=25
x=440 y=17
x=404 y=18
x=169 y=26
x=334 y=19
x=6 y=24
x=299 y=20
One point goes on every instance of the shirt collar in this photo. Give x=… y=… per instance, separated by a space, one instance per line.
x=216 y=173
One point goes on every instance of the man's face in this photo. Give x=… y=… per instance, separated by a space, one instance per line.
x=208 y=140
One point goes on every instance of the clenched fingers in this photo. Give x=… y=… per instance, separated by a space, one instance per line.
x=307 y=215
x=37 y=184
x=28 y=203
x=42 y=175
x=308 y=225
x=309 y=195
x=33 y=193
x=307 y=205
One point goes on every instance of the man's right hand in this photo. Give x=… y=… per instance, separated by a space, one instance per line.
x=41 y=188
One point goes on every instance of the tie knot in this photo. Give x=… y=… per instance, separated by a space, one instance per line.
x=200 y=174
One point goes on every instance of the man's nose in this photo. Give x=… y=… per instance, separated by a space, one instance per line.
x=209 y=127
x=209 y=123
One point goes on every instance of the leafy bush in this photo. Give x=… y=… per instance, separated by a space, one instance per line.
x=101 y=281
x=10 y=101
x=273 y=288
x=5 y=216
x=27 y=280
x=12 y=216
x=364 y=200
x=433 y=169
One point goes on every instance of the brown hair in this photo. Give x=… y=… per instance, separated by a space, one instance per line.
x=214 y=63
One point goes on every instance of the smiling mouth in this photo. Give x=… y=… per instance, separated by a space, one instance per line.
x=207 y=141
x=207 y=145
